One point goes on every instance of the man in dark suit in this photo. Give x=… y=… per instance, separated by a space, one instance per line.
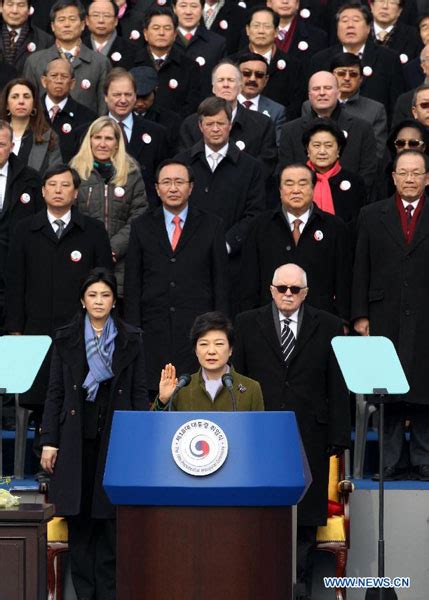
x=226 y=19
x=204 y=47
x=360 y=150
x=389 y=298
x=66 y=116
x=406 y=102
x=19 y=37
x=144 y=140
x=101 y=35
x=176 y=269
x=382 y=69
x=286 y=346
x=298 y=232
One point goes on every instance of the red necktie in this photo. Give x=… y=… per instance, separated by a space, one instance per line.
x=177 y=232
x=188 y=36
x=247 y=103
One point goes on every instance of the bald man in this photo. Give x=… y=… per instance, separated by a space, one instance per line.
x=286 y=346
x=359 y=155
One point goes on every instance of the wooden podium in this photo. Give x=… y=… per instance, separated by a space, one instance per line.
x=227 y=535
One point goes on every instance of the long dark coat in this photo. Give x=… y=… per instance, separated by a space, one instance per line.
x=62 y=417
x=165 y=290
x=43 y=279
x=391 y=287
x=311 y=385
x=36 y=39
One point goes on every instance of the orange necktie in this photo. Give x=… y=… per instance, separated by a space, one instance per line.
x=177 y=232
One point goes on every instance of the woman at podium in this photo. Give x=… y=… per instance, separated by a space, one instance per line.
x=216 y=386
x=97 y=367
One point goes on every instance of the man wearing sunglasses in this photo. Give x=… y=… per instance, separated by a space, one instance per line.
x=389 y=298
x=286 y=346
x=406 y=101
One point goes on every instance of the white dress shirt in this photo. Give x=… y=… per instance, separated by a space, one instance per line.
x=220 y=154
x=65 y=219
x=255 y=101
x=169 y=216
x=128 y=123
x=3 y=180
x=50 y=104
x=293 y=324
x=303 y=218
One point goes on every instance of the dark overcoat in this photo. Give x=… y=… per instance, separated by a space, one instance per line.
x=165 y=290
x=404 y=40
x=35 y=40
x=391 y=287
x=310 y=384
x=62 y=417
x=229 y=23
x=323 y=251
x=307 y=40
x=122 y=53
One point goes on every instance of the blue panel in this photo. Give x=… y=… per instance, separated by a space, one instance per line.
x=266 y=465
x=21 y=357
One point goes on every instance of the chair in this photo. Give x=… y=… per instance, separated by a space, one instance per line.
x=364 y=410
x=334 y=537
x=57 y=546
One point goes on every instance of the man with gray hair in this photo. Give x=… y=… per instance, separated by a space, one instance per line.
x=404 y=107
x=286 y=346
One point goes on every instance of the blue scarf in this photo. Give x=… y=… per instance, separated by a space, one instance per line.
x=99 y=354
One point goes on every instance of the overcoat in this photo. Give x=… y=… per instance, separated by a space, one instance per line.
x=35 y=40
x=404 y=40
x=62 y=417
x=166 y=290
x=310 y=384
x=391 y=286
x=122 y=53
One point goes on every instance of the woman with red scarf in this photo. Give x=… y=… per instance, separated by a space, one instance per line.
x=337 y=191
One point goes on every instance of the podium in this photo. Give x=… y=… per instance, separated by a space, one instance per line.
x=227 y=534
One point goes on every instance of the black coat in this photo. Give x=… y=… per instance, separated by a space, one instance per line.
x=251 y=131
x=36 y=40
x=229 y=23
x=43 y=280
x=234 y=192
x=386 y=81
x=348 y=200
x=327 y=261
x=179 y=82
x=69 y=125
x=403 y=108
x=122 y=53
x=391 y=286
x=359 y=154
x=165 y=290
x=206 y=49
x=62 y=417
x=170 y=121
x=311 y=385
x=404 y=40
x=307 y=40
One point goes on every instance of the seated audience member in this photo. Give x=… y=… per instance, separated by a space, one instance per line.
x=212 y=338
x=101 y=35
x=19 y=37
x=66 y=116
x=90 y=68
x=34 y=142
x=109 y=355
x=177 y=266
x=347 y=69
x=254 y=70
x=111 y=189
x=226 y=19
x=197 y=42
x=382 y=69
x=337 y=191
x=359 y=155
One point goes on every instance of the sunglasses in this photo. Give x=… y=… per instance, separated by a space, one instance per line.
x=294 y=289
x=400 y=143
x=257 y=74
x=345 y=72
x=424 y=105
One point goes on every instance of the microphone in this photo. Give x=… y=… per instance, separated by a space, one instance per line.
x=227 y=382
x=182 y=382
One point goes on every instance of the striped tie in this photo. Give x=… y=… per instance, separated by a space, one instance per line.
x=287 y=340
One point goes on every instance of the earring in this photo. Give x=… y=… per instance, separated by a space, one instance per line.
x=83 y=306
x=114 y=306
x=33 y=112
x=8 y=113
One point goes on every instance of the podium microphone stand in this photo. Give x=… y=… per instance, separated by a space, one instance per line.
x=370 y=365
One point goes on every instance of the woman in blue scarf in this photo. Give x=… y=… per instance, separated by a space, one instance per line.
x=97 y=368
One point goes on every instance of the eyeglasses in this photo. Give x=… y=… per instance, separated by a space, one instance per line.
x=411 y=174
x=424 y=105
x=294 y=289
x=176 y=182
x=401 y=143
x=345 y=72
x=257 y=74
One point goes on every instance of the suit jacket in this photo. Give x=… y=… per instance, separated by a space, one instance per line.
x=275 y=111
x=390 y=288
x=122 y=52
x=358 y=154
x=326 y=260
x=166 y=289
x=170 y=121
x=383 y=81
x=67 y=125
x=250 y=131
x=90 y=69
x=35 y=40
x=41 y=157
x=310 y=384
x=414 y=75
x=307 y=40
x=403 y=108
x=404 y=40
x=229 y=23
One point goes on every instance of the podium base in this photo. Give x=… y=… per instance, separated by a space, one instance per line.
x=214 y=553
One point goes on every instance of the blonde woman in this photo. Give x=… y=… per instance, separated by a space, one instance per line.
x=112 y=188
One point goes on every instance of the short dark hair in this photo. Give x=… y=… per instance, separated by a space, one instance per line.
x=412 y=123
x=362 y=8
x=46 y=69
x=345 y=59
x=114 y=75
x=99 y=274
x=112 y=2
x=211 y=321
x=213 y=105
x=299 y=166
x=324 y=125
x=263 y=8
x=422 y=17
x=27 y=2
x=248 y=56
x=58 y=170
x=421 y=88
x=405 y=152
x=202 y=2
x=173 y=161
x=159 y=11
x=62 y=4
